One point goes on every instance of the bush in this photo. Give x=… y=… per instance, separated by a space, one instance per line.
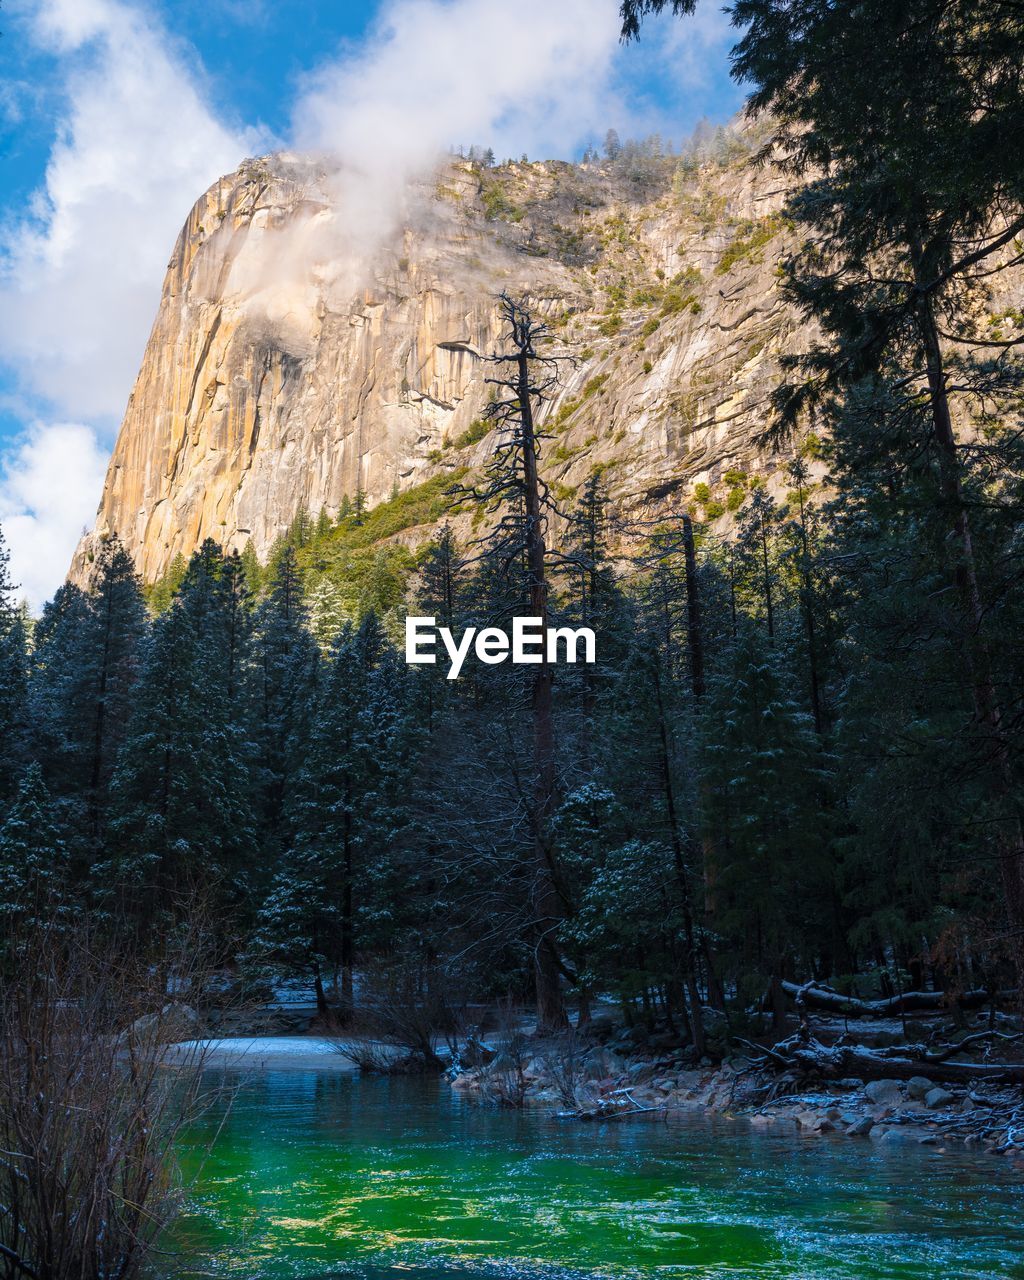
x=750 y=238
x=89 y=1113
x=473 y=433
x=406 y=1013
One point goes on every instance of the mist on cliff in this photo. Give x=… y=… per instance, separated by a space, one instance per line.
x=532 y=79
x=382 y=117
x=139 y=130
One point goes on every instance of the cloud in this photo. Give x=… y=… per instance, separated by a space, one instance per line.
x=433 y=73
x=137 y=143
x=138 y=140
x=81 y=271
x=49 y=484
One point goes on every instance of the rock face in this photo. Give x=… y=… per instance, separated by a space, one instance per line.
x=288 y=368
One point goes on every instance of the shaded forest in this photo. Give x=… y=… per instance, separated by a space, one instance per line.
x=797 y=756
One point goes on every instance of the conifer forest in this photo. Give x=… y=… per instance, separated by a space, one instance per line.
x=786 y=801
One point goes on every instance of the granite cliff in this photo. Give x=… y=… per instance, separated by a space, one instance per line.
x=287 y=369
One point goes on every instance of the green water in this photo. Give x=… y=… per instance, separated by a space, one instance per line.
x=319 y=1175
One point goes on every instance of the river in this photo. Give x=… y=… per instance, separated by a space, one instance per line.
x=317 y=1174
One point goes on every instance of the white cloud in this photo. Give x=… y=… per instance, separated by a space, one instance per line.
x=137 y=143
x=434 y=73
x=80 y=273
x=49 y=484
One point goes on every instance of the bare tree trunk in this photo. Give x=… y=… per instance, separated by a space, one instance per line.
x=547 y=901
x=1010 y=834
x=692 y=956
x=347 y=922
x=694 y=626
x=695 y=635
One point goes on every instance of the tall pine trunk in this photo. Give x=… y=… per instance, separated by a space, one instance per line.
x=1009 y=831
x=548 y=907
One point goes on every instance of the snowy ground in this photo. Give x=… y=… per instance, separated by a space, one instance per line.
x=266 y=1053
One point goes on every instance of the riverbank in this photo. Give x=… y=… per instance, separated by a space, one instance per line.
x=606 y=1086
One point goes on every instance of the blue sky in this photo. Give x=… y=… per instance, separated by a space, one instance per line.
x=116 y=114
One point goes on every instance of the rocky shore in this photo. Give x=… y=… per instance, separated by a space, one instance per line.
x=601 y=1083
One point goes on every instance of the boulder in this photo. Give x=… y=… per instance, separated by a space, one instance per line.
x=175 y=1021
x=918 y=1087
x=665 y=1041
x=884 y=1093
x=475 y=1053
x=600 y=1027
x=900 y=1138
x=861 y=1128
x=938 y=1098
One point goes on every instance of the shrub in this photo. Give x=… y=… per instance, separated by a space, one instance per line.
x=750 y=238
x=475 y=432
x=676 y=301
x=89 y=1112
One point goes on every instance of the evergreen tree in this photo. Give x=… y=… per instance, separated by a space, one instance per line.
x=896 y=116
x=33 y=871
x=514 y=487
x=285 y=662
x=183 y=798
x=344 y=819
x=84 y=673
x=13 y=680
x=766 y=799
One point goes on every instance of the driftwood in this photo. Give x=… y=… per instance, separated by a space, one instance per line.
x=607 y=1109
x=807 y=1054
x=815 y=997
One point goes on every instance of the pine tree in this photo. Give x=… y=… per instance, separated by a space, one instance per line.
x=13 y=680
x=183 y=799
x=766 y=798
x=84 y=673
x=334 y=888
x=327 y=610
x=896 y=116
x=33 y=872
x=285 y=660
x=514 y=486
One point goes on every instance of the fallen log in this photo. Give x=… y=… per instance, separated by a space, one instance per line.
x=826 y=1000
x=834 y=1062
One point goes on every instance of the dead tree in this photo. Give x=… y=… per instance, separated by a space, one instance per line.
x=827 y=1000
x=804 y=1053
x=512 y=484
